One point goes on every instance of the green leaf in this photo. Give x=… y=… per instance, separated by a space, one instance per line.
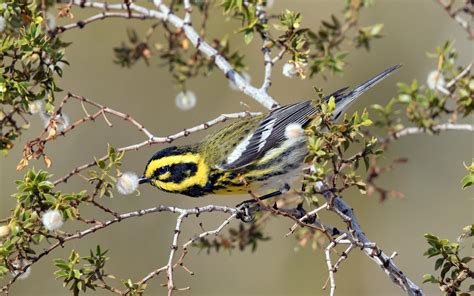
x=446 y=267
x=248 y=36
x=50 y=199
x=404 y=98
x=432 y=252
x=467 y=181
x=101 y=164
x=429 y=278
x=366 y=162
x=438 y=263
x=376 y=30
x=77 y=273
x=366 y=122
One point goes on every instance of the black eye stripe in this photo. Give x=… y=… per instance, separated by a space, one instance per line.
x=161 y=171
x=178 y=172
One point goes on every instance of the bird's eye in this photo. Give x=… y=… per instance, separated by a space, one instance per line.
x=160 y=171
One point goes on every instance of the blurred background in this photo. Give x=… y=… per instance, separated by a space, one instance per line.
x=433 y=202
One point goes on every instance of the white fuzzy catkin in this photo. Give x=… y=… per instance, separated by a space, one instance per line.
x=36 y=107
x=127 y=183
x=294 y=131
x=52 y=220
x=247 y=78
x=20 y=264
x=289 y=70
x=435 y=80
x=186 y=100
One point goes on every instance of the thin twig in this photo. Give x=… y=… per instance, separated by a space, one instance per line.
x=463 y=73
x=437 y=128
x=454 y=14
x=101 y=16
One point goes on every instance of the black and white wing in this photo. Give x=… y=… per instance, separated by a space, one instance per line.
x=271 y=132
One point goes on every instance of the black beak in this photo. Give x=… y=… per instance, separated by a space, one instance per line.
x=143 y=179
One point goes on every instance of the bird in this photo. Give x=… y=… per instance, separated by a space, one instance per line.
x=265 y=152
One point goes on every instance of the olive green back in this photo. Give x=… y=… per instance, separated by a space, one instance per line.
x=217 y=146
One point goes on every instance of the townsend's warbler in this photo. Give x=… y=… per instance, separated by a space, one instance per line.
x=251 y=153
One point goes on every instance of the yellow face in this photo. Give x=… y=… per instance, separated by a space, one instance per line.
x=178 y=173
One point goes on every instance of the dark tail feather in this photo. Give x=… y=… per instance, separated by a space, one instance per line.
x=343 y=101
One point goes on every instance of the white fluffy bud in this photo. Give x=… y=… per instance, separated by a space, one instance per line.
x=294 y=131
x=36 y=106
x=289 y=70
x=435 y=80
x=52 y=220
x=186 y=100
x=127 y=183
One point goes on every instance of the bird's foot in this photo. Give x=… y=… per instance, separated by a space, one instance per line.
x=245 y=211
x=249 y=206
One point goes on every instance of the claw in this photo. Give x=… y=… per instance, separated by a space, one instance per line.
x=245 y=216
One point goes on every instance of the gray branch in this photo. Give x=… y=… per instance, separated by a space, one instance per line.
x=370 y=249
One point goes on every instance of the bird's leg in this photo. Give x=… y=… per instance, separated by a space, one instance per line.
x=245 y=205
x=246 y=215
x=261 y=198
